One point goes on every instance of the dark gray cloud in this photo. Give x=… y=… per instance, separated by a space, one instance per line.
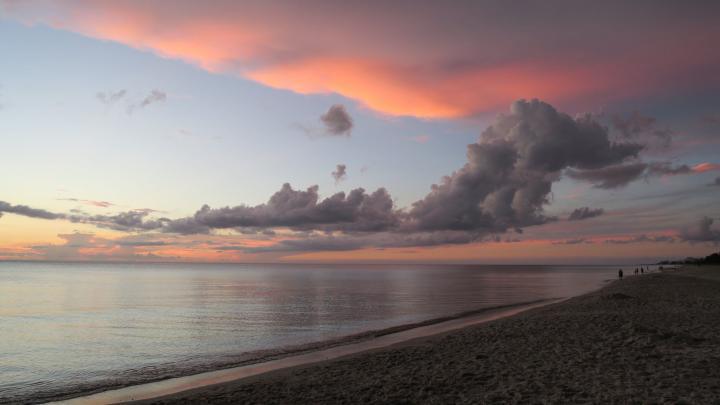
x=134 y=220
x=585 y=213
x=641 y=127
x=185 y=226
x=357 y=211
x=337 y=120
x=340 y=173
x=510 y=171
x=622 y=175
x=667 y=169
x=109 y=97
x=702 y=231
x=26 y=211
x=610 y=177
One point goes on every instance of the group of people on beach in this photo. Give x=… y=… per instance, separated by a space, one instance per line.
x=640 y=270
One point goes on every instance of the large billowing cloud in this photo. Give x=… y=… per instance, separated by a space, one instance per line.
x=510 y=171
x=356 y=211
x=421 y=58
x=504 y=186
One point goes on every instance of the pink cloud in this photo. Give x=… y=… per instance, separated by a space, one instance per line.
x=705 y=167
x=424 y=59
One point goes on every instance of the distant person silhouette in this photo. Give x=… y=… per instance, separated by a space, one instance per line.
x=642 y=271
x=620 y=274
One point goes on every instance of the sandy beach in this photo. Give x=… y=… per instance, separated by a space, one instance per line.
x=650 y=338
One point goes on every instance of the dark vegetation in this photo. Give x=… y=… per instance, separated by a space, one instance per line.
x=707 y=260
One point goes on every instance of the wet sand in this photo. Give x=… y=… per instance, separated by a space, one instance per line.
x=649 y=338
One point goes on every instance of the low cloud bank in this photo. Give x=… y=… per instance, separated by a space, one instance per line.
x=503 y=186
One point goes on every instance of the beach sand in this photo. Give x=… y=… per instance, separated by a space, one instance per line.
x=649 y=338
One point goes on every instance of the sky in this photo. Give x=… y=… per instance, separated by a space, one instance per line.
x=318 y=131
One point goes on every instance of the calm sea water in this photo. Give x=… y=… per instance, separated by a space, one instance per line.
x=71 y=327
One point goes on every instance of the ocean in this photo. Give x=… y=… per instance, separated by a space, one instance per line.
x=80 y=327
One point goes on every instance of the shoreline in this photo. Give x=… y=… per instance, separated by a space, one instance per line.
x=648 y=338
x=313 y=352
x=66 y=380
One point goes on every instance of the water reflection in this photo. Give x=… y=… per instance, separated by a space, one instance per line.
x=69 y=324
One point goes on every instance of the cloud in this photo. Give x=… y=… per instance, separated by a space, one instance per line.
x=155 y=96
x=340 y=173
x=356 y=211
x=26 y=211
x=141 y=243
x=702 y=231
x=110 y=98
x=504 y=185
x=381 y=240
x=666 y=169
x=87 y=246
x=622 y=175
x=133 y=220
x=93 y=203
x=185 y=226
x=577 y=241
x=429 y=60
x=585 y=213
x=638 y=126
x=510 y=171
x=337 y=120
x=610 y=177
x=642 y=239
x=70 y=249
x=705 y=167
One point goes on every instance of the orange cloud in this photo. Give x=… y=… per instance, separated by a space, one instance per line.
x=415 y=92
x=430 y=61
x=705 y=167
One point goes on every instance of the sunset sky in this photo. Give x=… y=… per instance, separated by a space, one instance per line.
x=413 y=131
